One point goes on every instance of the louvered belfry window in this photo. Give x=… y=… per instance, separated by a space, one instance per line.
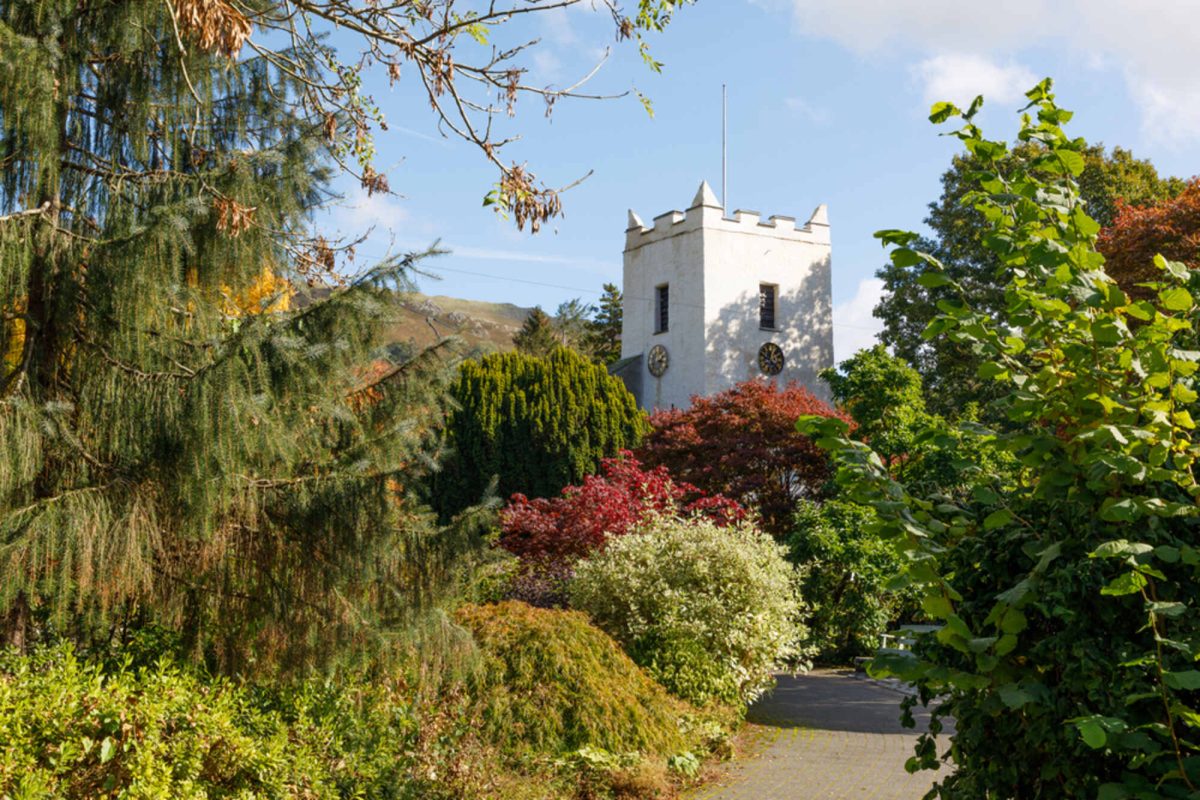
x=766 y=305
x=661 y=300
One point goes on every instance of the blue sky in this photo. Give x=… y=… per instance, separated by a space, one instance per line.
x=827 y=104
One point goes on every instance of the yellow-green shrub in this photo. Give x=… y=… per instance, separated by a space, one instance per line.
x=73 y=729
x=553 y=682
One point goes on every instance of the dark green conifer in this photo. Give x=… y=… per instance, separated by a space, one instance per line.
x=571 y=321
x=604 y=330
x=537 y=336
x=532 y=425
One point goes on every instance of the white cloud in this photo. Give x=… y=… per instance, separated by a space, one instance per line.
x=1154 y=44
x=959 y=77
x=854 y=327
x=359 y=211
x=867 y=26
x=574 y=41
x=547 y=68
x=1171 y=113
x=814 y=114
x=528 y=257
x=557 y=28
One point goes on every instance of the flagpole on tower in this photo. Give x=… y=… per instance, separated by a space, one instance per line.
x=724 y=151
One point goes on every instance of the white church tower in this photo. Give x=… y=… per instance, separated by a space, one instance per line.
x=712 y=301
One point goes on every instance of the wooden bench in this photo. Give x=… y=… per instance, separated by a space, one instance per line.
x=900 y=641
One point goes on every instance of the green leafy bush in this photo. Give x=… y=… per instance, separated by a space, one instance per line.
x=551 y=682
x=710 y=609
x=846 y=567
x=882 y=394
x=682 y=663
x=1067 y=588
x=71 y=729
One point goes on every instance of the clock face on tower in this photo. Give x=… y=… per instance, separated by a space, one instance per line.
x=770 y=359
x=658 y=361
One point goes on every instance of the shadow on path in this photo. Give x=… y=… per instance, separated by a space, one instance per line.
x=834 y=701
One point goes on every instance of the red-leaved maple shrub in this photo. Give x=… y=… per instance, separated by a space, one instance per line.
x=742 y=444
x=551 y=532
x=1139 y=233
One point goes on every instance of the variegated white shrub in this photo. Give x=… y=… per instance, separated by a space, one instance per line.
x=711 y=611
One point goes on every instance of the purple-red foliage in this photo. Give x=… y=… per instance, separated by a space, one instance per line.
x=562 y=529
x=742 y=443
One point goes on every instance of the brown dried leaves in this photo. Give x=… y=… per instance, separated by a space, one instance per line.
x=373 y=181
x=214 y=25
x=233 y=218
x=526 y=202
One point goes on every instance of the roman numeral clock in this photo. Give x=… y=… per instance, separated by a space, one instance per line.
x=770 y=359
x=657 y=360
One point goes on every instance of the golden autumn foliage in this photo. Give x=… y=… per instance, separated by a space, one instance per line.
x=12 y=341
x=268 y=294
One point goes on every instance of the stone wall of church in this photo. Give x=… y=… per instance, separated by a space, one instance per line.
x=669 y=253
x=743 y=253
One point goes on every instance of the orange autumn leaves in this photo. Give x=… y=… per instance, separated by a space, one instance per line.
x=1170 y=228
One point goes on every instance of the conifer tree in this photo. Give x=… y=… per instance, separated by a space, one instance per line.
x=181 y=440
x=604 y=329
x=536 y=336
x=571 y=320
x=533 y=425
x=166 y=456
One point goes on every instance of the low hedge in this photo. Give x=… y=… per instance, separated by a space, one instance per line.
x=554 y=709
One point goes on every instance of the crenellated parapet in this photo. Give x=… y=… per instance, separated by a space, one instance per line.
x=706 y=212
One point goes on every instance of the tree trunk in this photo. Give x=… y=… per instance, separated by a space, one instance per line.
x=14 y=630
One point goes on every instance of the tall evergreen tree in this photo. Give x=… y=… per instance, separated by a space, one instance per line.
x=537 y=336
x=604 y=330
x=167 y=457
x=571 y=324
x=179 y=442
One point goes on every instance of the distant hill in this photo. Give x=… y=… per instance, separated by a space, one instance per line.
x=481 y=326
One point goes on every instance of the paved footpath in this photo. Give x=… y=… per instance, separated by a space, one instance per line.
x=830 y=735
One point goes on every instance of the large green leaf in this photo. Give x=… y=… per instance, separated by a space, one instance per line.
x=1126 y=583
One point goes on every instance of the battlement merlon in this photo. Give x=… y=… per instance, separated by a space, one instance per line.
x=706 y=212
